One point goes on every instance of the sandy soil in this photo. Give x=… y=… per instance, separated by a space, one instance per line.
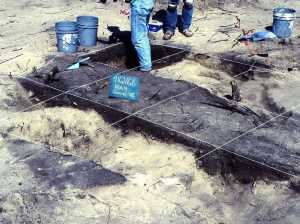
x=281 y=87
x=164 y=185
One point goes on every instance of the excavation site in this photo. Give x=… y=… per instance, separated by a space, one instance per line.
x=211 y=134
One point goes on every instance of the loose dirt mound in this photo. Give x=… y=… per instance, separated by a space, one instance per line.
x=59 y=127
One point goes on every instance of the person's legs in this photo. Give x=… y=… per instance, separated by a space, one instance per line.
x=171 y=16
x=139 y=36
x=187 y=15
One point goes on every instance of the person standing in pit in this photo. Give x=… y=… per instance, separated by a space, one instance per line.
x=140 y=16
x=171 y=18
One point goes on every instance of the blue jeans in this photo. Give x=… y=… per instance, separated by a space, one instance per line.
x=140 y=15
x=171 y=16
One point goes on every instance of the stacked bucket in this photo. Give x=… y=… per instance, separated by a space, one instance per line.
x=283 y=22
x=70 y=35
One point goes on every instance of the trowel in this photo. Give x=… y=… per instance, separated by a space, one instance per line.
x=77 y=64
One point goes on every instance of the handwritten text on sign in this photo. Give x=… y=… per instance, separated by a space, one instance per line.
x=124 y=87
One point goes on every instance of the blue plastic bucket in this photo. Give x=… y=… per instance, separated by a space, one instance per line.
x=88 y=29
x=283 y=22
x=67 y=36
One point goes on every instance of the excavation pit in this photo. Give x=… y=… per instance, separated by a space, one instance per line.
x=172 y=110
x=123 y=56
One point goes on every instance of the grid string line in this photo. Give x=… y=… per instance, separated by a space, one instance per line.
x=81 y=86
x=216 y=147
x=136 y=112
x=251 y=66
x=107 y=77
x=220 y=147
x=222 y=58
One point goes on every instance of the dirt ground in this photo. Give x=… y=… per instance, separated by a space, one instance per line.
x=164 y=185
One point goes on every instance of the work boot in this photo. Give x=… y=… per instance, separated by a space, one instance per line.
x=187 y=33
x=168 y=35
